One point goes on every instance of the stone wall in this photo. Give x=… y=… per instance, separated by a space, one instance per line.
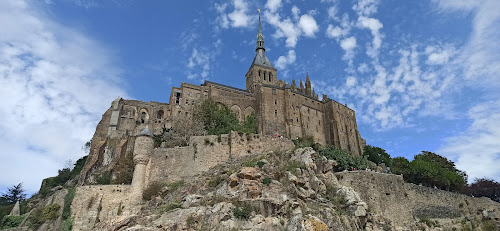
x=204 y=152
x=94 y=203
x=389 y=196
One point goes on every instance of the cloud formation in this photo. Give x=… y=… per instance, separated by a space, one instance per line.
x=238 y=18
x=55 y=83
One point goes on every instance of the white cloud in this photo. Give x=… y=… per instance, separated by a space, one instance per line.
x=348 y=44
x=438 y=56
x=350 y=81
x=284 y=61
x=477 y=150
x=333 y=32
x=366 y=7
x=374 y=25
x=308 y=25
x=273 y=5
x=55 y=83
x=295 y=12
x=200 y=61
x=332 y=12
x=481 y=56
x=237 y=18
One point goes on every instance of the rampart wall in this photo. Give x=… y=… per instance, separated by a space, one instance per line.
x=389 y=196
x=204 y=152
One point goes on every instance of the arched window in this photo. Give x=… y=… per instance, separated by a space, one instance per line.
x=143 y=117
x=159 y=114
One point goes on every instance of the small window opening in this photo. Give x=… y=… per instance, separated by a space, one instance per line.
x=177 y=98
x=275 y=112
x=274 y=91
x=275 y=101
x=143 y=117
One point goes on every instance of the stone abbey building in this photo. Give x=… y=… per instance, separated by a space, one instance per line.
x=280 y=108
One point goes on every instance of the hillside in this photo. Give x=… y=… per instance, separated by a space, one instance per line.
x=277 y=190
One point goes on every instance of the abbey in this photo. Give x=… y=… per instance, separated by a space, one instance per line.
x=281 y=109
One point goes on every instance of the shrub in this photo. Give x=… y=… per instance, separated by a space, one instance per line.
x=242 y=212
x=104 y=178
x=67 y=225
x=175 y=185
x=11 y=221
x=42 y=215
x=153 y=189
x=68 y=199
x=207 y=141
x=216 y=181
x=260 y=164
x=344 y=160
x=266 y=181
x=292 y=166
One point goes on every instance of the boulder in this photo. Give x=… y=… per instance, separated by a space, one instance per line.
x=249 y=173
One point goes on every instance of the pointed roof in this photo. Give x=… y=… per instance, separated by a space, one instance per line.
x=146 y=132
x=307 y=78
x=293 y=82
x=260 y=57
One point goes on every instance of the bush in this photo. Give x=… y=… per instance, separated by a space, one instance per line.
x=62 y=177
x=152 y=190
x=42 y=215
x=212 y=183
x=266 y=181
x=104 y=178
x=11 y=221
x=68 y=199
x=260 y=164
x=344 y=160
x=306 y=141
x=292 y=166
x=242 y=212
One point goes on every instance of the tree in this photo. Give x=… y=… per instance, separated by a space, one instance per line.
x=216 y=118
x=377 y=155
x=483 y=188
x=400 y=165
x=182 y=129
x=13 y=194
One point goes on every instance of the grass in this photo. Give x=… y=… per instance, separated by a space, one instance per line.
x=266 y=181
x=242 y=212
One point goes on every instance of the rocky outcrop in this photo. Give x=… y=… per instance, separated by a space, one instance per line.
x=293 y=191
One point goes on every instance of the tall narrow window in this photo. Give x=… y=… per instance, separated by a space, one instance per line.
x=270 y=77
x=275 y=101
x=275 y=112
x=264 y=76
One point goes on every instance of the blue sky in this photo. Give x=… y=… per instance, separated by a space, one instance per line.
x=421 y=75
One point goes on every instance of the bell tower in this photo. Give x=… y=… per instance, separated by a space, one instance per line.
x=262 y=70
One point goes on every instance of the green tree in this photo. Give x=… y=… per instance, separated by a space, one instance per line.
x=483 y=188
x=217 y=118
x=377 y=155
x=13 y=194
x=400 y=165
x=249 y=124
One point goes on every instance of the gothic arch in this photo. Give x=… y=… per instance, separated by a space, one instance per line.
x=143 y=115
x=237 y=111
x=248 y=111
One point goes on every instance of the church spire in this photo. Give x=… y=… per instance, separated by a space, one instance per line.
x=260 y=37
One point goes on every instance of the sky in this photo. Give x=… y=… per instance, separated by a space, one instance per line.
x=421 y=75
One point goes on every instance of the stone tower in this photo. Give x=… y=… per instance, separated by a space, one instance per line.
x=262 y=70
x=144 y=145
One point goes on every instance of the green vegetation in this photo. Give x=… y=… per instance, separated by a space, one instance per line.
x=41 y=215
x=260 y=163
x=253 y=162
x=242 y=212
x=345 y=161
x=215 y=181
x=104 y=178
x=11 y=221
x=66 y=214
x=154 y=189
x=307 y=141
x=266 y=181
x=218 y=119
x=292 y=166
x=430 y=169
x=377 y=155
x=62 y=177
x=483 y=188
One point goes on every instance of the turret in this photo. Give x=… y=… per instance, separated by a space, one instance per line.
x=308 y=85
x=143 y=148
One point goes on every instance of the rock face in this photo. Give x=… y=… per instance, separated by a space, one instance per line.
x=293 y=191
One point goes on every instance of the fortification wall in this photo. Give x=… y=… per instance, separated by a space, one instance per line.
x=204 y=152
x=390 y=196
x=94 y=203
